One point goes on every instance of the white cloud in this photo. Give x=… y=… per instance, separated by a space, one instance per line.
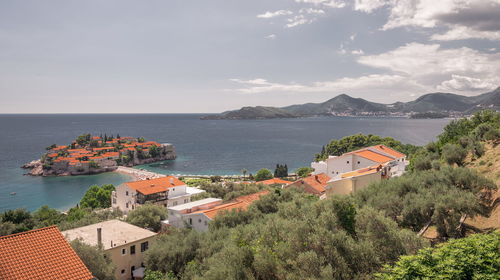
x=298 y=20
x=269 y=14
x=311 y=11
x=327 y=3
x=369 y=6
x=464 y=83
x=411 y=69
x=464 y=32
x=271 y=36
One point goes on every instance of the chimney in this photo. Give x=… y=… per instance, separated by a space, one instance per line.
x=172 y=180
x=152 y=185
x=99 y=237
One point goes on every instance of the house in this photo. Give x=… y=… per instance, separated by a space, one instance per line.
x=40 y=254
x=166 y=191
x=355 y=170
x=200 y=216
x=334 y=166
x=314 y=184
x=275 y=181
x=177 y=215
x=125 y=244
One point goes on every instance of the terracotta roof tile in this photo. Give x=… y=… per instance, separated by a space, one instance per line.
x=389 y=151
x=316 y=183
x=40 y=254
x=239 y=203
x=376 y=157
x=274 y=181
x=155 y=185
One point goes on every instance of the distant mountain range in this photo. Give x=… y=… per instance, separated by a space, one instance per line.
x=447 y=104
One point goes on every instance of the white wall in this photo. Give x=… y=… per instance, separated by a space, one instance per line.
x=123 y=198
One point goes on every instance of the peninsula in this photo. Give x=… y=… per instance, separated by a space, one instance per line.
x=89 y=154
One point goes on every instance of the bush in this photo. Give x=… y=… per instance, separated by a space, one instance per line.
x=148 y=216
x=474 y=257
x=263 y=174
x=94 y=259
x=304 y=171
x=453 y=153
x=97 y=197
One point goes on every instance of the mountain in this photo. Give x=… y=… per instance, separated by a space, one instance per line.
x=259 y=112
x=443 y=103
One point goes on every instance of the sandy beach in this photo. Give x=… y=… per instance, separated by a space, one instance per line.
x=138 y=174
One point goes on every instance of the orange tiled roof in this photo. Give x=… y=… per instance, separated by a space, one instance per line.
x=316 y=182
x=40 y=254
x=274 y=181
x=155 y=185
x=376 y=157
x=363 y=171
x=389 y=151
x=240 y=203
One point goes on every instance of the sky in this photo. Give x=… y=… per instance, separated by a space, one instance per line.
x=183 y=56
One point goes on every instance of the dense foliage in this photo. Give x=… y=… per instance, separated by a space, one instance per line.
x=286 y=235
x=281 y=171
x=226 y=190
x=97 y=197
x=263 y=174
x=441 y=196
x=94 y=259
x=148 y=216
x=358 y=141
x=474 y=257
x=303 y=171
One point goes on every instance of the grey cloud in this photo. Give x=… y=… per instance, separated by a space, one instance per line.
x=483 y=17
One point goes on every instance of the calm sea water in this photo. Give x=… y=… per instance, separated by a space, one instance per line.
x=203 y=146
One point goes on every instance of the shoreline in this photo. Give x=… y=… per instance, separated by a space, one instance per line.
x=138 y=174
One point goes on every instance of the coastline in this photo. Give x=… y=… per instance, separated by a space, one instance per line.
x=138 y=174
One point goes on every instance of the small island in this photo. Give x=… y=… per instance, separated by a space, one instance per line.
x=89 y=154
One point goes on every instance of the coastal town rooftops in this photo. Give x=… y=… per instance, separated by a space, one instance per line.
x=157 y=185
x=40 y=254
x=274 y=181
x=376 y=157
x=113 y=232
x=316 y=182
x=193 y=204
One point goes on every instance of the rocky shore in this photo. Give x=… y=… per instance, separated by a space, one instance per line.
x=35 y=166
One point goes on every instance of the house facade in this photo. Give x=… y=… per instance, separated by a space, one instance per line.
x=125 y=244
x=355 y=170
x=165 y=191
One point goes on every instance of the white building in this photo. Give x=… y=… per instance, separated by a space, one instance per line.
x=198 y=214
x=165 y=191
x=353 y=171
x=123 y=243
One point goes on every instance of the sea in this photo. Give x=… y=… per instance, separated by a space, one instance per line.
x=204 y=147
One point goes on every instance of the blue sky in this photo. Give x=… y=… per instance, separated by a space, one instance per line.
x=157 y=56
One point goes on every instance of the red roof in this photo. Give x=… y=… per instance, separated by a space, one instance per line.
x=275 y=181
x=315 y=184
x=155 y=185
x=240 y=203
x=376 y=157
x=389 y=151
x=40 y=254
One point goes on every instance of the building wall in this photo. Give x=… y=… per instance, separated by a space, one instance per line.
x=123 y=198
x=127 y=261
x=362 y=182
x=197 y=221
x=352 y=184
x=343 y=186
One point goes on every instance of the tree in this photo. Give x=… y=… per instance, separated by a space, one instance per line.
x=157 y=275
x=46 y=216
x=281 y=171
x=97 y=197
x=20 y=218
x=95 y=260
x=141 y=140
x=244 y=172
x=304 y=171
x=453 y=153
x=263 y=174
x=474 y=257
x=51 y=147
x=154 y=151
x=148 y=216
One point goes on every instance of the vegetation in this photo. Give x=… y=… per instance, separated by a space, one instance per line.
x=429 y=115
x=358 y=141
x=281 y=171
x=97 y=197
x=263 y=174
x=304 y=171
x=227 y=190
x=286 y=235
x=474 y=257
x=95 y=260
x=437 y=196
x=148 y=216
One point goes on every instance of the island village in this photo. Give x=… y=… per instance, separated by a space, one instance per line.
x=125 y=244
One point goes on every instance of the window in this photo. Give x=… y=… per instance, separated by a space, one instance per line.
x=114 y=200
x=132 y=250
x=359 y=162
x=124 y=251
x=126 y=205
x=132 y=271
x=190 y=221
x=185 y=201
x=123 y=271
x=175 y=203
x=199 y=220
x=347 y=162
x=144 y=246
x=206 y=223
x=126 y=193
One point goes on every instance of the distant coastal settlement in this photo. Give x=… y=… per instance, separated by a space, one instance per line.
x=89 y=154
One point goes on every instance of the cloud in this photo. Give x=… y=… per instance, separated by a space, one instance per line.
x=271 y=36
x=464 y=83
x=278 y=13
x=411 y=69
x=298 y=20
x=464 y=19
x=311 y=11
x=327 y=3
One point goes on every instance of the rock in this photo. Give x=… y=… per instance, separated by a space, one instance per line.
x=32 y=164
